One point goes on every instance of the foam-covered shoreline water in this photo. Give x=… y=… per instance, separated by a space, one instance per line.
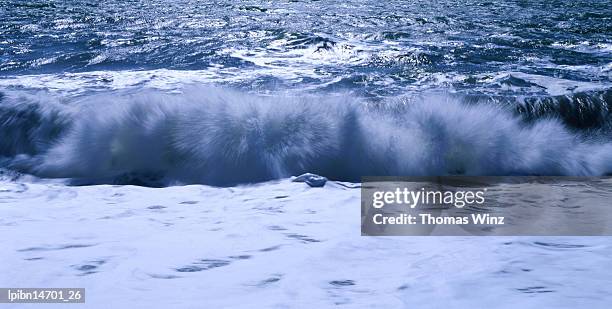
x=276 y=244
x=221 y=137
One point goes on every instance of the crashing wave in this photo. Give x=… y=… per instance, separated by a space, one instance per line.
x=220 y=137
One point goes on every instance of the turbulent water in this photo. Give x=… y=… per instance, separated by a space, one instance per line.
x=161 y=93
x=156 y=92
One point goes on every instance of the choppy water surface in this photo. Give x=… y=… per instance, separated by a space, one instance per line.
x=76 y=97
x=369 y=47
x=159 y=93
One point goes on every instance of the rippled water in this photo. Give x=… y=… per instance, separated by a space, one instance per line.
x=369 y=47
x=159 y=93
x=352 y=87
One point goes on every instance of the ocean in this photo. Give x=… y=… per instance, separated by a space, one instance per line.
x=146 y=147
x=239 y=92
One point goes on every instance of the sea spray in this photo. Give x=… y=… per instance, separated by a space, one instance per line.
x=222 y=137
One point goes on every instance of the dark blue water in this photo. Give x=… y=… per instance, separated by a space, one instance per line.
x=371 y=47
x=507 y=87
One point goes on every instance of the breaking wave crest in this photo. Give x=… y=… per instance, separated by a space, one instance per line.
x=220 y=137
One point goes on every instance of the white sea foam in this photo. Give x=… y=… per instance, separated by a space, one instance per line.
x=215 y=136
x=277 y=244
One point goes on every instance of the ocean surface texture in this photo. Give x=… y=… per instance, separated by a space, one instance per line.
x=221 y=93
x=147 y=145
